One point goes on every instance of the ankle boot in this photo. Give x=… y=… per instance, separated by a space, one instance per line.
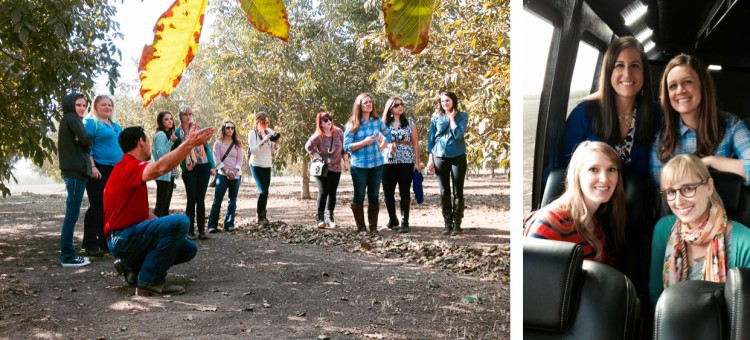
x=262 y=220
x=321 y=221
x=329 y=220
x=392 y=219
x=445 y=205
x=265 y=218
x=359 y=218
x=404 y=216
x=372 y=217
x=458 y=215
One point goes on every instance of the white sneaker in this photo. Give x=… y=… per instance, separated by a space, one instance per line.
x=76 y=262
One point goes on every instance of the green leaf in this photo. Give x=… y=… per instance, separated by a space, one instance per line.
x=407 y=23
x=267 y=16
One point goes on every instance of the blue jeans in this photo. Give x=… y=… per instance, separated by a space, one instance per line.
x=222 y=184
x=75 y=188
x=151 y=247
x=262 y=178
x=366 y=179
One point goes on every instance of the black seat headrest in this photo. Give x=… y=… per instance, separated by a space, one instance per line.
x=551 y=276
x=554 y=187
x=729 y=186
x=691 y=310
x=737 y=299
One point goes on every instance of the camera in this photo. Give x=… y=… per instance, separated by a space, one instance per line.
x=275 y=137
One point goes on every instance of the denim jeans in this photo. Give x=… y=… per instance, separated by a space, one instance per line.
x=75 y=188
x=366 y=179
x=262 y=178
x=151 y=247
x=196 y=184
x=222 y=184
x=93 y=221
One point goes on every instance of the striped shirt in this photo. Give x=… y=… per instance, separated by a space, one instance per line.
x=736 y=144
x=558 y=225
x=368 y=156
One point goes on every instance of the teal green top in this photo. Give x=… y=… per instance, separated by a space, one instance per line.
x=739 y=252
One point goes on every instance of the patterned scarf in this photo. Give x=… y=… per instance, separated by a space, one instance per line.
x=710 y=233
x=198 y=154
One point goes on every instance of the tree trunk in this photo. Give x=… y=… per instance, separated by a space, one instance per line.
x=305 y=180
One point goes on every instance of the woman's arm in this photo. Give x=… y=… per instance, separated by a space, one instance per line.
x=312 y=145
x=79 y=131
x=458 y=124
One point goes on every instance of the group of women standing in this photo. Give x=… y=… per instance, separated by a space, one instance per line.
x=619 y=129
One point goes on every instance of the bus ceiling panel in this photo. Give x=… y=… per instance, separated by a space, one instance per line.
x=722 y=42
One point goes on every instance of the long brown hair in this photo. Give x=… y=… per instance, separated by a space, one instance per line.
x=573 y=199
x=606 y=124
x=237 y=143
x=711 y=126
x=357 y=111
x=388 y=115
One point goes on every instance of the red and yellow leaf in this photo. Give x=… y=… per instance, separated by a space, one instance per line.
x=407 y=23
x=267 y=16
x=176 y=36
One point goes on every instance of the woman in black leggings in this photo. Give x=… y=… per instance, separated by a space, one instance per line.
x=447 y=148
x=327 y=143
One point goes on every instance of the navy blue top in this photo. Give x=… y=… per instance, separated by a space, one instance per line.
x=580 y=127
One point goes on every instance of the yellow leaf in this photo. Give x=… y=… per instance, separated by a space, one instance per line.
x=407 y=23
x=176 y=36
x=267 y=16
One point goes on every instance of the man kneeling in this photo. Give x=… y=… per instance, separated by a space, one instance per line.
x=146 y=246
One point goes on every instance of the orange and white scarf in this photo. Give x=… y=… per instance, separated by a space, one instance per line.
x=710 y=232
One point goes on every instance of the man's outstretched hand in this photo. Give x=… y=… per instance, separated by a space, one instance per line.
x=199 y=137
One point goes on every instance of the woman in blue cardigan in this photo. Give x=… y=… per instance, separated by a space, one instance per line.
x=698 y=233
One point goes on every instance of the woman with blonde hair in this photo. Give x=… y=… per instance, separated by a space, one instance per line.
x=197 y=168
x=262 y=142
x=360 y=139
x=698 y=241
x=105 y=153
x=591 y=211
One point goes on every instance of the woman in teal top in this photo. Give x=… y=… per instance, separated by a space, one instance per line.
x=105 y=153
x=698 y=232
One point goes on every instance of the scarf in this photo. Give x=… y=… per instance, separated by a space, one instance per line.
x=710 y=233
x=198 y=154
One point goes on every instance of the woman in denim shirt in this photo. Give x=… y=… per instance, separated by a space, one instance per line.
x=447 y=148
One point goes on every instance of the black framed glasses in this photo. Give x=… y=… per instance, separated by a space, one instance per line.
x=686 y=191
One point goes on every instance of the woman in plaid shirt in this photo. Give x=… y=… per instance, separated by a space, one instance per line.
x=360 y=139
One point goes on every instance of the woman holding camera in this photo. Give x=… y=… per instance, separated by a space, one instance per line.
x=327 y=143
x=262 y=142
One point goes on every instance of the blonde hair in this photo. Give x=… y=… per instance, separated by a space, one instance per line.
x=573 y=198
x=357 y=111
x=183 y=110
x=683 y=166
x=93 y=114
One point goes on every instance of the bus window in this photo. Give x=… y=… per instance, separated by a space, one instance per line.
x=583 y=82
x=538 y=34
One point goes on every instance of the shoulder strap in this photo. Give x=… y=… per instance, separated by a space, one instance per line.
x=227 y=153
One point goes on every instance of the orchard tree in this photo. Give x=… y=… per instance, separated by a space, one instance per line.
x=48 y=48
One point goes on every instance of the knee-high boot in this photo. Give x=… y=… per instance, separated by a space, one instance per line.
x=445 y=204
x=359 y=217
x=458 y=215
x=372 y=217
x=405 y=205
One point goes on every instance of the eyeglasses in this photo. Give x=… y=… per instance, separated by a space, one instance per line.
x=398 y=105
x=325 y=120
x=186 y=114
x=686 y=191
x=229 y=127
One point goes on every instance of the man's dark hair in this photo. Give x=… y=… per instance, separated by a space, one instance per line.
x=129 y=138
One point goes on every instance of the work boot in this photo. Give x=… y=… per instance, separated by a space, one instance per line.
x=404 y=216
x=329 y=220
x=445 y=205
x=359 y=218
x=392 y=219
x=458 y=215
x=321 y=221
x=372 y=217
x=262 y=220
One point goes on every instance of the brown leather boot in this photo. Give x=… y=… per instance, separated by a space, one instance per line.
x=372 y=217
x=359 y=217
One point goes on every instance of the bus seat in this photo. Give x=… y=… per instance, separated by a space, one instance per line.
x=554 y=187
x=565 y=297
x=734 y=195
x=705 y=310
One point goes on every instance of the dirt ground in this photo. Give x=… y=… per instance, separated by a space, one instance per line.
x=286 y=281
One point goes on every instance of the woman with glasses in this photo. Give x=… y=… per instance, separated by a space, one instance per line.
x=165 y=141
x=447 y=159
x=197 y=168
x=105 y=153
x=327 y=143
x=360 y=139
x=262 y=142
x=592 y=206
x=693 y=123
x=229 y=156
x=401 y=158
x=698 y=241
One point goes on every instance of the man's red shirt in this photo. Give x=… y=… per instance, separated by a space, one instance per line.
x=125 y=195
